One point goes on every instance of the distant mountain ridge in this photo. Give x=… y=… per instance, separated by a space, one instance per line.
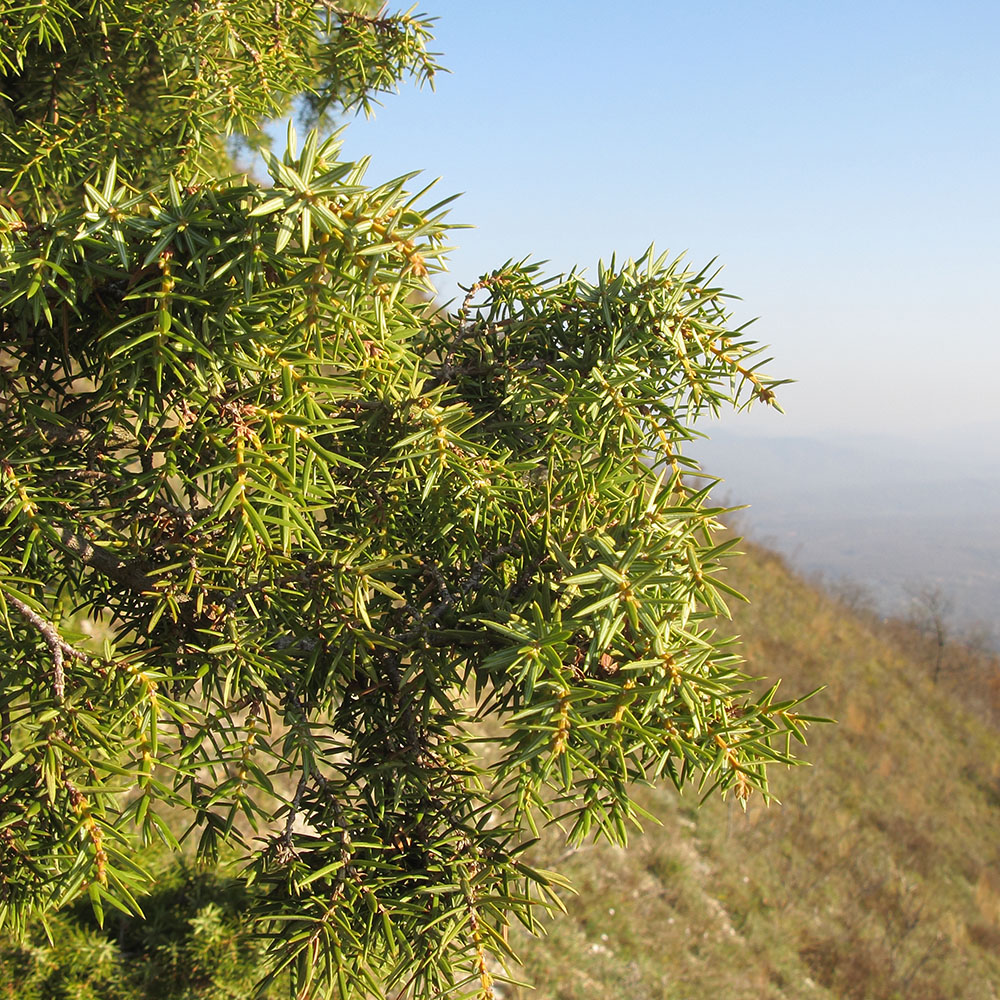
x=887 y=513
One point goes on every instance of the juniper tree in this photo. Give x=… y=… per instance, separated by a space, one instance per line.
x=294 y=565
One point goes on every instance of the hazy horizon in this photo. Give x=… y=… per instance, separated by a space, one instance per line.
x=891 y=515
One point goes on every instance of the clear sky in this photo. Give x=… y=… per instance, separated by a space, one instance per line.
x=840 y=159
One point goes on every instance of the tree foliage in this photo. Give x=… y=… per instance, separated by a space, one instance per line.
x=196 y=943
x=292 y=563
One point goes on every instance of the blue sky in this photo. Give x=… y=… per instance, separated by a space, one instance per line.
x=840 y=159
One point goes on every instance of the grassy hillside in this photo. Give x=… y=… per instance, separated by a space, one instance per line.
x=877 y=877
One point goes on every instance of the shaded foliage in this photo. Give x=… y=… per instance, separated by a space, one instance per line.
x=194 y=942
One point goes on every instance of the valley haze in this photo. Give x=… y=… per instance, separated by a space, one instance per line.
x=889 y=513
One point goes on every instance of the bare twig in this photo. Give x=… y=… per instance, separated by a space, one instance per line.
x=380 y=23
x=526 y=577
x=58 y=646
x=492 y=559
x=286 y=850
x=447 y=367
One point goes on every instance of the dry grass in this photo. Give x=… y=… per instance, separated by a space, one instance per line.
x=877 y=878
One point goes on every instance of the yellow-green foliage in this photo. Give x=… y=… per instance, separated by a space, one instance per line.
x=325 y=532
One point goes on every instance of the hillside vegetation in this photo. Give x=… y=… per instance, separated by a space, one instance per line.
x=877 y=877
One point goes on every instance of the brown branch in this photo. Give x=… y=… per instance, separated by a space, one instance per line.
x=74 y=434
x=58 y=646
x=128 y=574
x=447 y=367
x=526 y=577
x=286 y=850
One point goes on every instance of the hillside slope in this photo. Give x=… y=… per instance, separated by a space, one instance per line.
x=878 y=877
